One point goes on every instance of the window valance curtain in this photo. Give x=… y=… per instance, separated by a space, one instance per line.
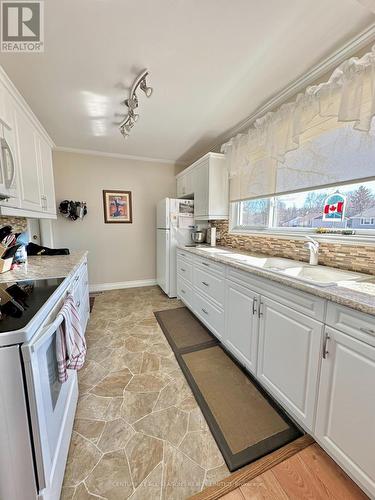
x=260 y=161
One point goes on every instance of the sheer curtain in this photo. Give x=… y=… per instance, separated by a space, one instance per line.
x=258 y=160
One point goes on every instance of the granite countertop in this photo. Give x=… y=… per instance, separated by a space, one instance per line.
x=358 y=295
x=44 y=267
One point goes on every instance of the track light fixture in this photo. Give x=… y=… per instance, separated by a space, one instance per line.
x=132 y=103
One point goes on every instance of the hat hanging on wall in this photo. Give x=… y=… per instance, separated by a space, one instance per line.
x=73 y=209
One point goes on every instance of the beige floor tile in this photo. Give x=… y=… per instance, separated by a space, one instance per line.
x=113 y=385
x=182 y=476
x=150 y=488
x=115 y=435
x=146 y=382
x=169 y=424
x=111 y=477
x=144 y=453
x=135 y=409
x=83 y=456
x=137 y=405
x=90 y=429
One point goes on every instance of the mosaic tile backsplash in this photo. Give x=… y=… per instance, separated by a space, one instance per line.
x=19 y=224
x=360 y=258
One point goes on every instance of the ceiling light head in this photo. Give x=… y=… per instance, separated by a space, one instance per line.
x=143 y=86
x=123 y=131
x=131 y=103
x=133 y=116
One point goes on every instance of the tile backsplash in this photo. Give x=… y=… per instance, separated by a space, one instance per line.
x=19 y=224
x=360 y=258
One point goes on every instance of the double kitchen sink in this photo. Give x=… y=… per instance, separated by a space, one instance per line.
x=315 y=275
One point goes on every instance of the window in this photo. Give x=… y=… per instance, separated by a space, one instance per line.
x=254 y=213
x=367 y=222
x=304 y=210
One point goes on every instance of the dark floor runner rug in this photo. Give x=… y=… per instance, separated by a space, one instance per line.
x=183 y=331
x=245 y=422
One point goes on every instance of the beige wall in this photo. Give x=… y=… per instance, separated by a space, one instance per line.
x=118 y=252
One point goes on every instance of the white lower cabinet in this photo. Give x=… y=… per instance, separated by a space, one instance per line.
x=289 y=357
x=185 y=292
x=241 y=328
x=324 y=378
x=211 y=315
x=80 y=293
x=345 y=424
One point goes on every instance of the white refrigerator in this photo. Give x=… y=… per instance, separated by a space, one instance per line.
x=174 y=224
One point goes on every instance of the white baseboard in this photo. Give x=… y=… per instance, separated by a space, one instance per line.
x=102 y=287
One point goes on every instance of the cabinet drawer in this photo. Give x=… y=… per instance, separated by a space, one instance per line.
x=209 y=265
x=210 y=284
x=185 y=292
x=354 y=323
x=210 y=315
x=184 y=269
x=184 y=255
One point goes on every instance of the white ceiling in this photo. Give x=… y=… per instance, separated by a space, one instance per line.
x=212 y=63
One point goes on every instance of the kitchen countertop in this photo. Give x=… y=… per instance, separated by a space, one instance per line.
x=44 y=267
x=356 y=295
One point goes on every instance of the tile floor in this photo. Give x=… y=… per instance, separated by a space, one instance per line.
x=138 y=431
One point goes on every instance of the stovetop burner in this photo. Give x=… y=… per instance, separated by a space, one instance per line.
x=21 y=300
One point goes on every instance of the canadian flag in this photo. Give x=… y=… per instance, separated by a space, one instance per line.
x=335 y=207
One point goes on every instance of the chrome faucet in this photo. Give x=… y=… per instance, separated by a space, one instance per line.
x=313 y=246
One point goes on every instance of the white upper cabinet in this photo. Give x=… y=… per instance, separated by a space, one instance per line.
x=26 y=174
x=28 y=156
x=6 y=108
x=345 y=424
x=207 y=180
x=185 y=185
x=46 y=177
x=289 y=357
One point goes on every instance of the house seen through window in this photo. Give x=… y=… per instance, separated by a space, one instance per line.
x=304 y=210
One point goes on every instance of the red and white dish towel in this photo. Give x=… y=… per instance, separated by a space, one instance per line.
x=70 y=341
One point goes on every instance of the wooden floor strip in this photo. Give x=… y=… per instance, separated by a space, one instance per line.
x=326 y=471
x=251 y=471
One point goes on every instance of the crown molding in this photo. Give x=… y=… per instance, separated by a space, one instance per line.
x=18 y=97
x=349 y=49
x=118 y=156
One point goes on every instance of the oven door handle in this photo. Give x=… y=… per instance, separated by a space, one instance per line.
x=45 y=334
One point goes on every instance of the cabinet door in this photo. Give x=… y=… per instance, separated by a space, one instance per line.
x=345 y=423
x=28 y=157
x=46 y=174
x=201 y=186
x=10 y=173
x=289 y=358
x=181 y=186
x=6 y=108
x=241 y=329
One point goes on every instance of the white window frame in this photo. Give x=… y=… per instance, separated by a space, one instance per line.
x=235 y=227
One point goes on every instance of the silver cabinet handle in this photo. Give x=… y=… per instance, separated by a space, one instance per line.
x=205 y=264
x=260 y=309
x=183 y=291
x=205 y=284
x=368 y=330
x=255 y=302
x=76 y=278
x=204 y=310
x=78 y=304
x=326 y=338
x=183 y=270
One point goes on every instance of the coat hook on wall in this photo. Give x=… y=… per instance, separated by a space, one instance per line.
x=73 y=210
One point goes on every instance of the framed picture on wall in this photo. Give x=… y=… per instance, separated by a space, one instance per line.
x=117 y=206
